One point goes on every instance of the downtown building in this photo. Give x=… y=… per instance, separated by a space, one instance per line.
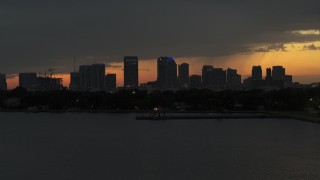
x=110 y=82
x=213 y=78
x=183 y=78
x=233 y=79
x=195 y=81
x=29 y=81
x=92 y=77
x=167 y=73
x=275 y=78
x=131 y=72
x=74 y=81
x=32 y=82
x=3 y=82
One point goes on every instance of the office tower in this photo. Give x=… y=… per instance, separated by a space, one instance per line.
x=167 y=72
x=268 y=79
x=219 y=78
x=233 y=79
x=256 y=73
x=268 y=74
x=97 y=73
x=278 y=73
x=207 y=76
x=195 y=81
x=74 y=81
x=184 y=79
x=92 y=76
x=84 y=71
x=288 y=81
x=131 y=75
x=28 y=81
x=3 y=82
x=111 y=82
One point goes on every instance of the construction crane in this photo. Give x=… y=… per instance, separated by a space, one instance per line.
x=51 y=71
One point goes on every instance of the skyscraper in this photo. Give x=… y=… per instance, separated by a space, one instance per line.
x=131 y=71
x=233 y=79
x=269 y=74
x=111 y=82
x=29 y=81
x=278 y=73
x=184 y=79
x=74 y=81
x=167 y=72
x=3 y=82
x=92 y=76
x=195 y=81
x=207 y=76
x=219 y=78
x=256 y=73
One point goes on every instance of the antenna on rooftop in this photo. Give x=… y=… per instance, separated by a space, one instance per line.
x=74 y=63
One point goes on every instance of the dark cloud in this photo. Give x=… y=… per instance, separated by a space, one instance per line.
x=37 y=34
x=311 y=47
x=272 y=48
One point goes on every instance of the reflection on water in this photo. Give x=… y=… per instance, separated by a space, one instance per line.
x=115 y=146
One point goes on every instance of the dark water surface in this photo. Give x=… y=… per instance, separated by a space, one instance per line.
x=115 y=146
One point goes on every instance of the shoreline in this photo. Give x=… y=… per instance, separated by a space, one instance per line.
x=302 y=116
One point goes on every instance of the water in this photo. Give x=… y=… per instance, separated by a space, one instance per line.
x=115 y=146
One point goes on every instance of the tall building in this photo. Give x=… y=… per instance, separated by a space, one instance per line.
x=207 y=76
x=131 y=71
x=268 y=74
x=278 y=73
x=74 y=81
x=110 y=82
x=256 y=73
x=268 y=79
x=167 y=72
x=233 y=79
x=219 y=78
x=92 y=77
x=288 y=81
x=184 y=79
x=195 y=81
x=29 y=81
x=84 y=73
x=3 y=82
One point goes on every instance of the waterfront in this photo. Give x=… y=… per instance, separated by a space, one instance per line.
x=116 y=146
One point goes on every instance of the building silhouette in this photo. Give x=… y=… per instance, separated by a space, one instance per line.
x=131 y=74
x=233 y=79
x=278 y=73
x=256 y=73
x=167 y=72
x=49 y=84
x=207 y=76
x=219 y=78
x=195 y=81
x=3 y=82
x=184 y=79
x=74 y=81
x=92 y=77
x=111 y=82
x=29 y=81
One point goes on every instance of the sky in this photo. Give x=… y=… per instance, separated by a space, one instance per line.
x=36 y=35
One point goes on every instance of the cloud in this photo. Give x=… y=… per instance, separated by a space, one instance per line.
x=38 y=34
x=272 y=48
x=311 y=47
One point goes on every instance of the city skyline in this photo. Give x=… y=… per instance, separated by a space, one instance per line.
x=169 y=75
